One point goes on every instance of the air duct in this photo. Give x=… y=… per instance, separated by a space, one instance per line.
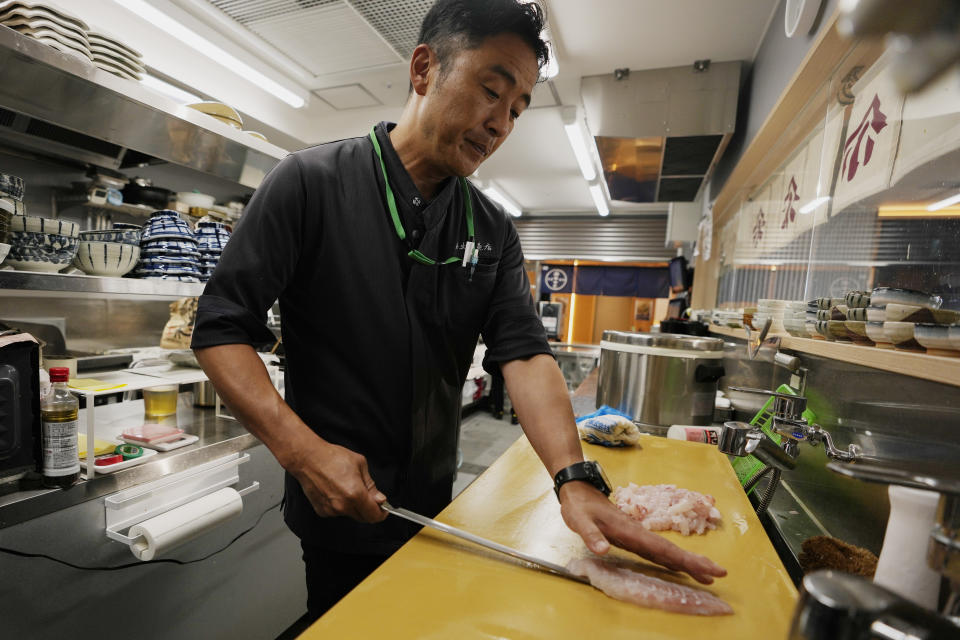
x=659 y=133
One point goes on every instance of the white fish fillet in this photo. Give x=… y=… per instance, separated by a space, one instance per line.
x=661 y=507
x=631 y=586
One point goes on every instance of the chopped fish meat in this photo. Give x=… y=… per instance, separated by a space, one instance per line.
x=631 y=586
x=662 y=507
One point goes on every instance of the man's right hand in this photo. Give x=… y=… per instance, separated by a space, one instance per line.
x=337 y=483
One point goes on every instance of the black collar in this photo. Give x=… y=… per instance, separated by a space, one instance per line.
x=406 y=192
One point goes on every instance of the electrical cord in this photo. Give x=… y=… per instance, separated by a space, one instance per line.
x=25 y=554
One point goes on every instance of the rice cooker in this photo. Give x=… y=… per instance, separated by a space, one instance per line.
x=660 y=379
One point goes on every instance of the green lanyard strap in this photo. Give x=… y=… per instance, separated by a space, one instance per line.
x=398 y=226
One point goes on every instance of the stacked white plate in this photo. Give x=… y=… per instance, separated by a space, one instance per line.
x=115 y=57
x=776 y=310
x=795 y=318
x=728 y=318
x=51 y=26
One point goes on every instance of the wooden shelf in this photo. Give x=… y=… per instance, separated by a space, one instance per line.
x=918 y=365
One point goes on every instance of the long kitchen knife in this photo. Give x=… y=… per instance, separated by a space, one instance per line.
x=483 y=542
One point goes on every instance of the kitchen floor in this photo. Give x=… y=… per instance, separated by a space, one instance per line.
x=483 y=439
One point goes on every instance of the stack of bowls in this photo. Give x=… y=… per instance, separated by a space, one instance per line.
x=912 y=320
x=168 y=249
x=795 y=318
x=212 y=237
x=110 y=252
x=41 y=244
x=856 y=322
x=776 y=310
x=732 y=318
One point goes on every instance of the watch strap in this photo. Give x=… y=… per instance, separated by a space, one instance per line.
x=585 y=471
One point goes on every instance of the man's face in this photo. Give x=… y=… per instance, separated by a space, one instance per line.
x=473 y=108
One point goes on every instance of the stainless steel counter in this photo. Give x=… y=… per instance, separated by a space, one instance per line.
x=23 y=499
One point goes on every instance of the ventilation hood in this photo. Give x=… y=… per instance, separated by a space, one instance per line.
x=660 y=132
x=56 y=105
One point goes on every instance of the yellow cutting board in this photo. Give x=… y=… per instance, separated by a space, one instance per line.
x=440 y=587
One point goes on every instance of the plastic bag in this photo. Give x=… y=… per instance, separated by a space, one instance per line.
x=608 y=427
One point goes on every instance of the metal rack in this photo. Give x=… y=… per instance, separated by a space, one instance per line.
x=60 y=285
x=131 y=380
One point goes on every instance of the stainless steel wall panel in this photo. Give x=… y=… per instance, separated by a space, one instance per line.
x=892 y=417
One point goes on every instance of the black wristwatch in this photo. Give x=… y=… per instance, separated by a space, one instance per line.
x=588 y=471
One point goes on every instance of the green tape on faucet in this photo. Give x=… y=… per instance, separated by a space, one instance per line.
x=746 y=467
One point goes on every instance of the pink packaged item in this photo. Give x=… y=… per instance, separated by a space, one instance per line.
x=153 y=433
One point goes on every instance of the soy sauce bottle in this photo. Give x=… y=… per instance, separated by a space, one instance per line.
x=59 y=414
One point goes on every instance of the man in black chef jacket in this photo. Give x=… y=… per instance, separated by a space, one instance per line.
x=363 y=242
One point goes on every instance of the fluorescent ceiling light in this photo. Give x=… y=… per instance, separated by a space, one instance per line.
x=553 y=67
x=596 y=192
x=575 y=135
x=192 y=39
x=169 y=90
x=813 y=204
x=510 y=206
x=943 y=204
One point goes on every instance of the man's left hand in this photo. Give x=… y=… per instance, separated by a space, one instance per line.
x=600 y=523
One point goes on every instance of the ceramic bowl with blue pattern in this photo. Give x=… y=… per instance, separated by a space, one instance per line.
x=106 y=258
x=166 y=233
x=166 y=224
x=32 y=251
x=37 y=224
x=182 y=244
x=174 y=255
x=169 y=278
x=148 y=262
x=166 y=269
x=121 y=236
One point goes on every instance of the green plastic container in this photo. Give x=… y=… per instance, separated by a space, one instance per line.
x=747 y=466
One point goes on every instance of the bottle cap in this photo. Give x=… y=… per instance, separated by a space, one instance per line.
x=59 y=374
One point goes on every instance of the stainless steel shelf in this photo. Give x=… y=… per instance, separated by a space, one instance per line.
x=59 y=285
x=68 y=200
x=42 y=86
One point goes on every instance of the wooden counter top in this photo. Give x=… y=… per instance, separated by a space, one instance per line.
x=437 y=586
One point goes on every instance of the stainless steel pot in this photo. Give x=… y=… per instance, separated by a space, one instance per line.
x=660 y=378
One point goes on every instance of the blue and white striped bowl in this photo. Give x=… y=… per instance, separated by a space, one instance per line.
x=38 y=224
x=124 y=236
x=106 y=258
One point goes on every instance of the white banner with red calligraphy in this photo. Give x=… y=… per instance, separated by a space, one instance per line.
x=758 y=222
x=931 y=130
x=870 y=143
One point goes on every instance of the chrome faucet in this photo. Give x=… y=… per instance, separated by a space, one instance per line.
x=742 y=439
x=788 y=421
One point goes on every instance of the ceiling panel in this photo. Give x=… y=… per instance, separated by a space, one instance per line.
x=600 y=36
x=325 y=39
x=353 y=96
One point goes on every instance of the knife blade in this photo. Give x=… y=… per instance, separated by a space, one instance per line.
x=545 y=565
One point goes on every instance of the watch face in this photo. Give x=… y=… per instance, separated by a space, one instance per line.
x=599 y=474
